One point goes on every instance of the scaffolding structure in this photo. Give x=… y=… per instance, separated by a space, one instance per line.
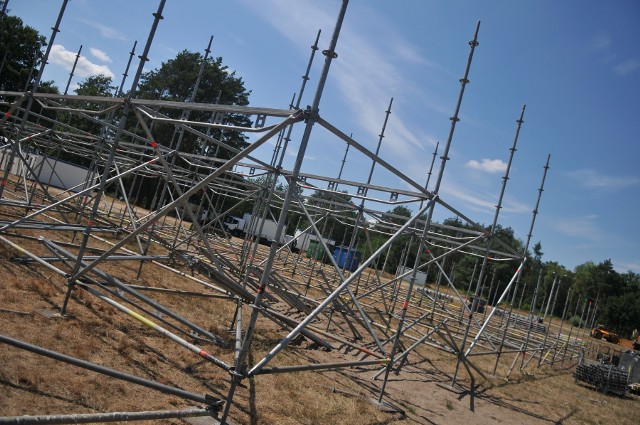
x=382 y=319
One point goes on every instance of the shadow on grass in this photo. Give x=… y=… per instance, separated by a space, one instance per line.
x=253 y=412
x=42 y=393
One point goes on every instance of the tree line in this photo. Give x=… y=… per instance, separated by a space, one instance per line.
x=21 y=52
x=590 y=294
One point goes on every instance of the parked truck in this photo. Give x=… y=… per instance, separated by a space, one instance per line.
x=241 y=226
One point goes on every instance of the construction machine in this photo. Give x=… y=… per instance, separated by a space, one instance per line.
x=599 y=332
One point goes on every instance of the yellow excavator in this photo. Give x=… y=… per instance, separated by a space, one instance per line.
x=599 y=332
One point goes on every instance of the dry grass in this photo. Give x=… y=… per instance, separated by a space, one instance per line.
x=97 y=332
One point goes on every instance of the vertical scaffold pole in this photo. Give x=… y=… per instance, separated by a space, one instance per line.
x=270 y=183
x=524 y=250
x=421 y=247
x=36 y=83
x=476 y=298
x=330 y=54
x=125 y=74
x=360 y=215
x=116 y=139
x=73 y=70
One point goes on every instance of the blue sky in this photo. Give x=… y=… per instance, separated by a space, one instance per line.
x=575 y=64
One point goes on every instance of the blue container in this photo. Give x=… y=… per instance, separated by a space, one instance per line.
x=349 y=260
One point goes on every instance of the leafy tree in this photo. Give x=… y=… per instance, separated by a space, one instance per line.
x=398 y=215
x=460 y=266
x=537 y=251
x=453 y=227
x=175 y=80
x=339 y=225
x=95 y=85
x=44 y=87
x=400 y=249
x=615 y=295
x=621 y=312
x=20 y=53
x=20 y=59
x=265 y=183
x=597 y=280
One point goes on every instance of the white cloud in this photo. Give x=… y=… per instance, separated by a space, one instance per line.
x=592 y=179
x=100 y=55
x=601 y=41
x=236 y=38
x=488 y=165
x=408 y=53
x=582 y=226
x=365 y=73
x=85 y=68
x=481 y=200
x=472 y=199
x=603 y=45
x=105 y=31
x=627 y=67
x=294 y=153
x=624 y=266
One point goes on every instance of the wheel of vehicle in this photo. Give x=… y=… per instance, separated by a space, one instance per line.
x=597 y=334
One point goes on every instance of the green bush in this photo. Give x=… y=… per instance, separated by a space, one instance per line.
x=575 y=320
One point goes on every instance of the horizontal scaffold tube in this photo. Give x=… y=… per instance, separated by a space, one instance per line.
x=207 y=399
x=320 y=366
x=87 y=418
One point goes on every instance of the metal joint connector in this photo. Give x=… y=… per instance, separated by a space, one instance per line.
x=306 y=114
x=330 y=54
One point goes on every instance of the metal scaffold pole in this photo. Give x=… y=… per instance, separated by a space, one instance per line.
x=114 y=146
x=181 y=228
x=73 y=70
x=29 y=95
x=311 y=114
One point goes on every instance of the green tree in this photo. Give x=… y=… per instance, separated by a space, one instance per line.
x=537 y=251
x=20 y=53
x=37 y=110
x=621 y=312
x=342 y=213
x=401 y=247
x=92 y=127
x=175 y=80
x=95 y=85
x=597 y=280
x=398 y=215
x=460 y=266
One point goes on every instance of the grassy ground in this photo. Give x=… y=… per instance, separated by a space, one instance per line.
x=31 y=297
